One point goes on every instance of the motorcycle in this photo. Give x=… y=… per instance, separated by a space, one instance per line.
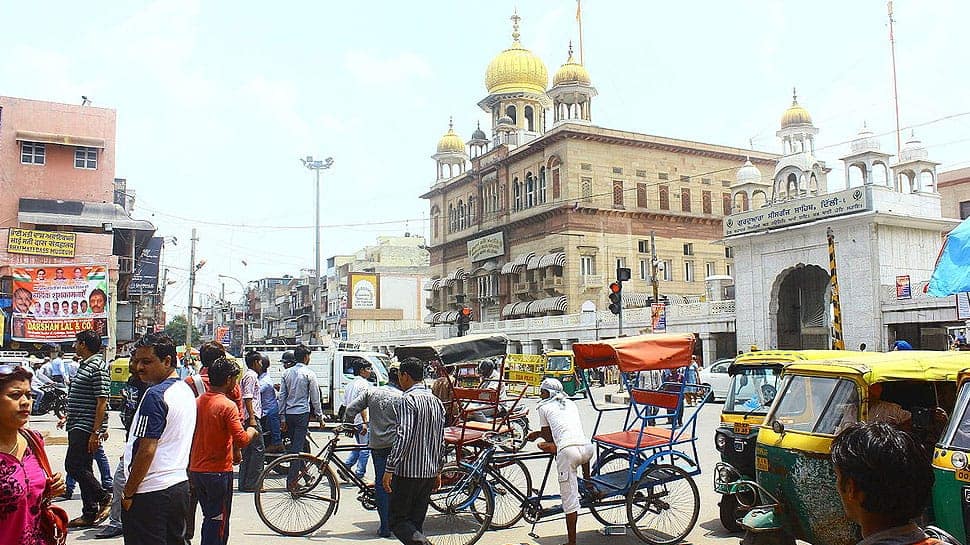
x=54 y=398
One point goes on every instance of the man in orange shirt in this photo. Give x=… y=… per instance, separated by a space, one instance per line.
x=217 y=432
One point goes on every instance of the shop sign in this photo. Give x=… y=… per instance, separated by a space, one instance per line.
x=486 y=247
x=50 y=243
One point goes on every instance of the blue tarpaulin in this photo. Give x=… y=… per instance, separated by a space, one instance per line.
x=952 y=273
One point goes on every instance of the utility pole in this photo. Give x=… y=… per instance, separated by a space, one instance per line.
x=188 y=309
x=160 y=303
x=316 y=166
x=653 y=268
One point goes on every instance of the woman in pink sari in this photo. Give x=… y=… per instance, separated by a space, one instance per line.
x=23 y=483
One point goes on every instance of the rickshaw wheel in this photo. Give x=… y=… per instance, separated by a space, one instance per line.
x=508 y=508
x=298 y=509
x=663 y=505
x=615 y=514
x=463 y=513
x=520 y=428
x=730 y=512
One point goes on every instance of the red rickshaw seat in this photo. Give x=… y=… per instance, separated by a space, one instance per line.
x=652 y=437
x=456 y=435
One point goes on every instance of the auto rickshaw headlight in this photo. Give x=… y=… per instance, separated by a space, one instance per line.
x=720 y=441
x=959 y=460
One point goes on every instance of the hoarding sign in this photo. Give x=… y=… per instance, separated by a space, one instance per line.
x=485 y=247
x=144 y=281
x=904 y=289
x=364 y=291
x=658 y=317
x=54 y=303
x=51 y=243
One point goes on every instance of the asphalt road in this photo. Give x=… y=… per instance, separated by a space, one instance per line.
x=353 y=523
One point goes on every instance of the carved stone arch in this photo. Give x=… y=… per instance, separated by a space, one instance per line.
x=758 y=199
x=553 y=162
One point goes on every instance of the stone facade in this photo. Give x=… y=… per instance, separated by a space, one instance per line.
x=954 y=187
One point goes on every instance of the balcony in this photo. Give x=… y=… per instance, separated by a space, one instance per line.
x=522 y=287
x=591 y=281
x=431 y=303
x=553 y=283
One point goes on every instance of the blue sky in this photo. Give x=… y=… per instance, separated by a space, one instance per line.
x=218 y=100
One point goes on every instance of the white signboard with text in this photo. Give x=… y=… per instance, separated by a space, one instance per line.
x=797 y=211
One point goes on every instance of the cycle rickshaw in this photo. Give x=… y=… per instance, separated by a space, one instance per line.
x=642 y=476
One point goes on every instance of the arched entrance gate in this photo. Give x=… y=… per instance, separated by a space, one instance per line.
x=800 y=303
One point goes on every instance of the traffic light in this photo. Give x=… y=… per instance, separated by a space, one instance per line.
x=616 y=297
x=464 y=317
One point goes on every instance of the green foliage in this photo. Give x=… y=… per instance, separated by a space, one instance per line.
x=176 y=330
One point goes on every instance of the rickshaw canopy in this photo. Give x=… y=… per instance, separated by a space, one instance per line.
x=639 y=353
x=873 y=367
x=456 y=349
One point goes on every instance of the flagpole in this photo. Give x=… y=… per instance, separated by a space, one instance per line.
x=892 y=51
x=579 y=19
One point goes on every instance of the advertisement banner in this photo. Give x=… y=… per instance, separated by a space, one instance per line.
x=144 y=281
x=224 y=335
x=364 y=291
x=52 y=243
x=903 y=287
x=51 y=303
x=658 y=317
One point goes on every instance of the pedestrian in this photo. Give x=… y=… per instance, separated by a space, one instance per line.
x=900 y=344
x=491 y=379
x=24 y=483
x=562 y=430
x=692 y=379
x=134 y=390
x=381 y=404
x=884 y=480
x=156 y=495
x=217 y=433
x=58 y=368
x=87 y=424
x=299 y=400
x=253 y=454
x=360 y=384
x=270 y=421
x=414 y=464
x=104 y=472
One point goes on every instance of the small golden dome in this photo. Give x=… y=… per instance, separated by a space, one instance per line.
x=451 y=142
x=516 y=68
x=571 y=72
x=795 y=115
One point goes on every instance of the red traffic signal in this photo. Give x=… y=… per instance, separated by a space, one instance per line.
x=616 y=297
x=466 y=312
x=616 y=287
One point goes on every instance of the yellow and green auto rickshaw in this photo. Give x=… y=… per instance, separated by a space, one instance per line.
x=119 y=370
x=754 y=382
x=797 y=496
x=951 y=488
x=532 y=368
x=559 y=365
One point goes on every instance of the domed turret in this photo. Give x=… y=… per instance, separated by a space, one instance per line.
x=478 y=145
x=748 y=174
x=450 y=156
x=795 y=114
x=913 y=150
x=571 y=93
x=479 y=134
x=516 y=68
x=451 y=142
x=864 y=141
x=571 y=72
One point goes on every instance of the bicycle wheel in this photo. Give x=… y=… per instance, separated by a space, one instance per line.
x=611 y=510
x=519 y=428
x=508 y=506
x=303 y=506
x=663 y=505
x=466 y=503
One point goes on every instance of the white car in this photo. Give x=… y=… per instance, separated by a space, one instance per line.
x=716 y=376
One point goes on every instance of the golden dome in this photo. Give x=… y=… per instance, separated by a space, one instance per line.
x=451 y=142
x=516 y=68
x=795 y=115
x=571 y=72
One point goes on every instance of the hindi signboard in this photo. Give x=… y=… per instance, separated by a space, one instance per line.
x=904 y=289
x=485 y=247
x=52 y=303
x=658 y=317
x=364 y=291
x=50 y=243
x=144 y=281
x=796 y=211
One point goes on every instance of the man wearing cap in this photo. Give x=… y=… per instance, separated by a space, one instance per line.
x=382 y=404
x=562 y=430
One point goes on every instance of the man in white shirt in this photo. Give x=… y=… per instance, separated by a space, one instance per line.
x=562 y=430
x=362 y=370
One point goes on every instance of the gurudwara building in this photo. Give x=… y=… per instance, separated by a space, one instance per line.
x=533 y=217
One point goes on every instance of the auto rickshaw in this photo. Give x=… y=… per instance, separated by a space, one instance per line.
x=559 y=365
x=754 y=382
x=795 y=488
x=120 y=370
x=951 y=489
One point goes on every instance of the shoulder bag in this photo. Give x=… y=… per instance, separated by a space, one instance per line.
x=53 y=519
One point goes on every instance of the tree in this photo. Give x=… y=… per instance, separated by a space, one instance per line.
x=176 y=330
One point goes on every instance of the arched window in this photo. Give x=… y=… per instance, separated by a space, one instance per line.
x=472 y=203
x=517 y=194
x=461 y=215
x=542 y=185
x=451 y=218
x=530 y=122
x=792 y=186
x=510 y=111
x=435 y=219
x=530 y=191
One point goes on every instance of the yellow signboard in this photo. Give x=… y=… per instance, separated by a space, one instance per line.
x=51 y=243
x=365 y=291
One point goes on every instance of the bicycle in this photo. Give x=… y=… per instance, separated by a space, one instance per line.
x=303 y=504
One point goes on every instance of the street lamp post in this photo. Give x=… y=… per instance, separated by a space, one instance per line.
x=316 y=166
x=245 y=336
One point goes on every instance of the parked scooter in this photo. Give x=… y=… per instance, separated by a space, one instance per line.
x=54 y=399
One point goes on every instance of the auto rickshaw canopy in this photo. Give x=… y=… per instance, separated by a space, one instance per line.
x=638 y=353
x=873 y=367
x=456 y=349
x=782 y=358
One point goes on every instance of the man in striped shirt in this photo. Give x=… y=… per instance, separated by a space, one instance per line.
x=413 y=468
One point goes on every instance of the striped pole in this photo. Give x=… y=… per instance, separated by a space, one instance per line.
x=837 y=342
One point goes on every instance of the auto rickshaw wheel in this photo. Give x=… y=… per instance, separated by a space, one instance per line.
x=730 y=512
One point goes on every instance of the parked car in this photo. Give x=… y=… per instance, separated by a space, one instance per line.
x=716 y=376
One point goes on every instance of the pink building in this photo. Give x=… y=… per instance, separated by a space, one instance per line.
x=57 y=174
